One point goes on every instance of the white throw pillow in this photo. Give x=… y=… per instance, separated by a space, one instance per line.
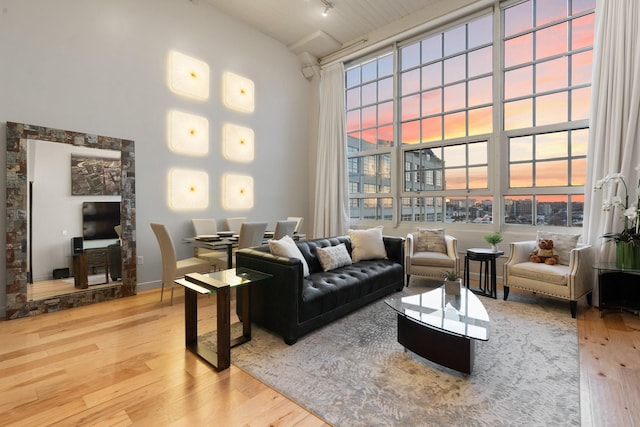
x=287 y=247
x=333 y=257
x=367 y=244
x=562 y=243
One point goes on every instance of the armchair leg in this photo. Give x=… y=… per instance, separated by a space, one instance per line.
x=590 y=298
x=408 y=279
x=573 y=306
x=505 y=290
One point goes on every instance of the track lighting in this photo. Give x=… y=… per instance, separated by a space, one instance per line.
x=327 y=6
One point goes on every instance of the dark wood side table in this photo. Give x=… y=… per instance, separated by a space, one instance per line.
x=618 y=288
x=220 y=283
x=487 y=259
x=80 y=271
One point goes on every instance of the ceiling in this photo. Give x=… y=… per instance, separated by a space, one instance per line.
x=300 y=26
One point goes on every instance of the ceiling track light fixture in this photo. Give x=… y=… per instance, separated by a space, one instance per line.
x=327 y=5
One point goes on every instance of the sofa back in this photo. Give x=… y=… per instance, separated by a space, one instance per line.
x=393 y=245
x=308 y=249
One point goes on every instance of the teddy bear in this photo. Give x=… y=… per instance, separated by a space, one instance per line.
x=544 y=252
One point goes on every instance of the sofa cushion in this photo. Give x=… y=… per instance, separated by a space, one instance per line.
x=287 y=247
x=333 y=257
x=430 y=240
x=555 y=274
x=367 y=244
x=326 y=291
x=562 y=243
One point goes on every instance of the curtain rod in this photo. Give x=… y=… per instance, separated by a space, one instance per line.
x=341 y=56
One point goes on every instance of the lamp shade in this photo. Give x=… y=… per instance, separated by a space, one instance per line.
x=188 y=134
x=188 y=76
x=188 y=189
x=237 y=143
x=237 y=192
x=238 y=92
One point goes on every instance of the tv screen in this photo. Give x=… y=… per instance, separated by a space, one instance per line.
x=99 y=220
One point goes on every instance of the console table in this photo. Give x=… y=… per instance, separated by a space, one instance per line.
x=89 y=258
x=220 y=283
x=618 y=288
x=487 y=282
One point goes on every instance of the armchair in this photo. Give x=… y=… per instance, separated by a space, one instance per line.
x=570 y=282
x=429 y=263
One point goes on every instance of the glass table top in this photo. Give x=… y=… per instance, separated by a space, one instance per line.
x=462 y=315
x=211 y=282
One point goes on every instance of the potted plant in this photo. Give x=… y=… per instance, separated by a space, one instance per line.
x=452 y=282
x=493 y=239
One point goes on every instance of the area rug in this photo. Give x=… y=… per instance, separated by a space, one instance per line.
x=353 y=372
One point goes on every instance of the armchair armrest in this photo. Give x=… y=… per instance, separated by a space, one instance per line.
x=581 y=272
x=520 y=251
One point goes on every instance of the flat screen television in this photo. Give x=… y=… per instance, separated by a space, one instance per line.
x=99 y=220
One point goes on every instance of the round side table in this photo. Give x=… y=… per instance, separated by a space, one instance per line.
x=487 y=259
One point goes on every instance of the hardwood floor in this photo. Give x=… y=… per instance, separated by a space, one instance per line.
x=123 y=363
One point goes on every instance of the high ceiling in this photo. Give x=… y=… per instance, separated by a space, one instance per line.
x=300 y=26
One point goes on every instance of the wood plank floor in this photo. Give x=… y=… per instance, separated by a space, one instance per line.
x=123 y=362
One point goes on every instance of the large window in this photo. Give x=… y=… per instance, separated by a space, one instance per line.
x=475 y=123
x=370 y=136
x=548 y=50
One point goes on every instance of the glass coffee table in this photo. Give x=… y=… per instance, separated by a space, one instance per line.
x=441 y=327
x=220 y=283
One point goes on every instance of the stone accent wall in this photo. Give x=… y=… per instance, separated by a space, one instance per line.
x=17 y=192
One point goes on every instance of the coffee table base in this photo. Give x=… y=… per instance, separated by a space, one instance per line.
x=445 y=349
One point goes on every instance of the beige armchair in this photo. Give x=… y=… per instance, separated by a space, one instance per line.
x=430 y=263
x=570 y=279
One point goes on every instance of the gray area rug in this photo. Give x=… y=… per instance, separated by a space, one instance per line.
x=353 y=372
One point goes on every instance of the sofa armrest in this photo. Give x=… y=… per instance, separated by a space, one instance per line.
x=452 y=247
x=581 y=270
x=395 y=248
x=274 y=302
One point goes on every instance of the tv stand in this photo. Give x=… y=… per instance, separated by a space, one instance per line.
x=89 y=259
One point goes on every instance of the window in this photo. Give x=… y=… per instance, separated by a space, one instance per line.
x=370 y=137
x=446 y=103
x=464 y=131
x=548 y=49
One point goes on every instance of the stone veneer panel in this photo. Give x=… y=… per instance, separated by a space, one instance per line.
x=17 y=302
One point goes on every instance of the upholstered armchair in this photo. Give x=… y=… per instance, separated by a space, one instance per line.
x=570 y=279
x=430 y=252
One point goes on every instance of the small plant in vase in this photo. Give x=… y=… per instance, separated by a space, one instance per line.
x=452 y=282
x=493 y=239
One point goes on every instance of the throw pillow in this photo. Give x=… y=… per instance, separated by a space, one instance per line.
x=562 y=243
x=287 y=247
x=367 y=244
x=333 y=257
x=430 y=240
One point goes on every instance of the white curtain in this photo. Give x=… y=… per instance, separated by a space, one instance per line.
x=615 y=110
x=331 y=214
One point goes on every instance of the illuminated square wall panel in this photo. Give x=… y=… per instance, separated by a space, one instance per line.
x=237 y=192
x=188 y=189
x=188 y=134
x=237 y=143
x=238 y=92
x=188 y=76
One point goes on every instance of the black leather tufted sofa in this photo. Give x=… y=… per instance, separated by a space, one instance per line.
x=292 y=305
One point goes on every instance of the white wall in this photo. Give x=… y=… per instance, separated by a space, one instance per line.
x=100 y=67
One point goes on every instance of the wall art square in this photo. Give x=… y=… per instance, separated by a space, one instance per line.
x=95 y=176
